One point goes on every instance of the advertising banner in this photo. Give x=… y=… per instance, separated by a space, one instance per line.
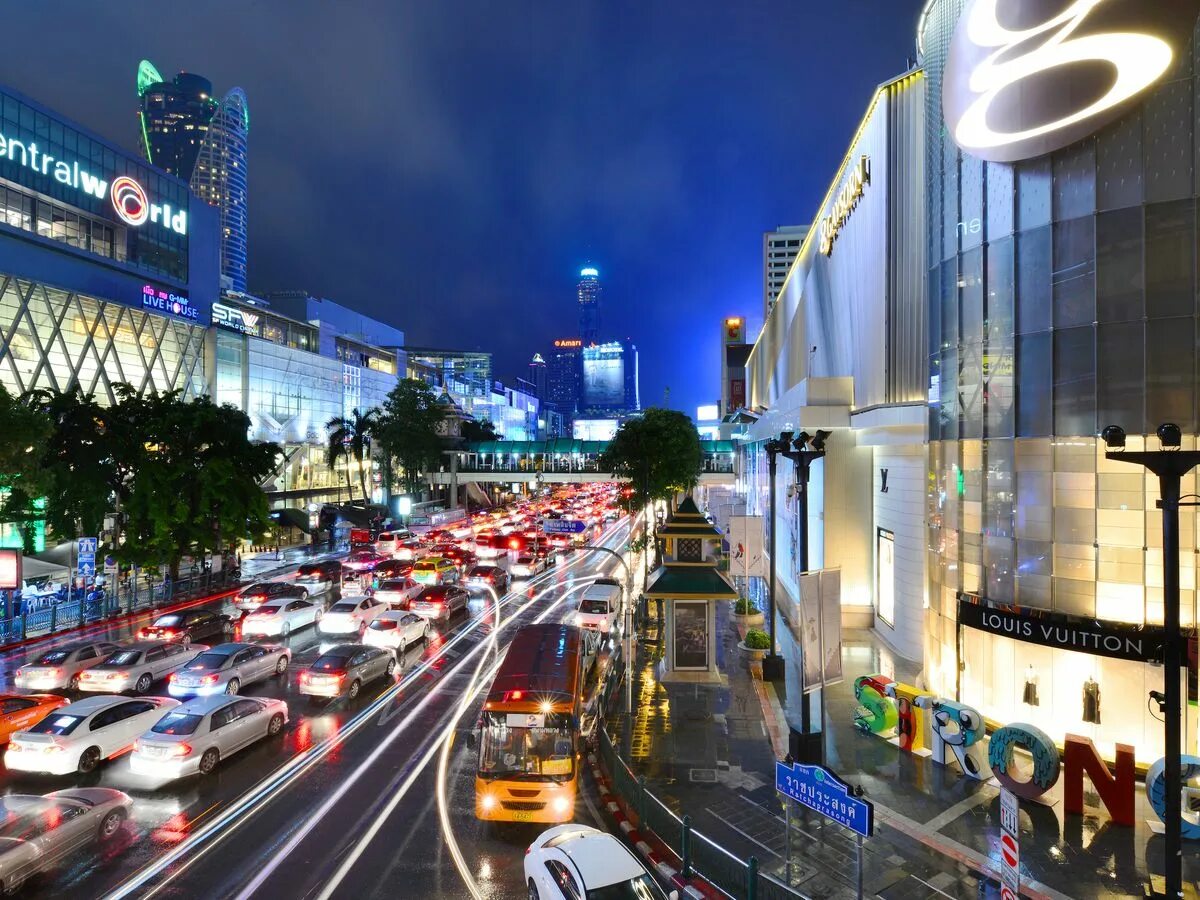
x=746 y=556
x=821 y=627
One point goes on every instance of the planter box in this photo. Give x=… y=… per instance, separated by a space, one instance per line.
x=751 y=654
x=750 y=620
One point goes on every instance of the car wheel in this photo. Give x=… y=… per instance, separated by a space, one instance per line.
x=89 y=760
x=354 y=687
x=275 y=725
x=111 y=824
x=233 y=686
x=402 y=647
x=209 y=760
x=533 y=891
x=391 y=668
x=227 y=627
x=303 y=594
x=286 y=630
x=186 y=640
x=425 y=634
x=281 y=666
x=73 y=684
x=143 y=683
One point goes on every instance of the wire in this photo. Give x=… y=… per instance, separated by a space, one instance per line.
x=1150 y=710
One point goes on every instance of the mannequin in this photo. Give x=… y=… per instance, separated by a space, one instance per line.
x=1091 y=700
x=1030 y=696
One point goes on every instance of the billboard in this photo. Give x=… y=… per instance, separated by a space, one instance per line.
x=594 y=429
x=604 y=377
x=746 y=555
x=821 y=627
x=735 y=330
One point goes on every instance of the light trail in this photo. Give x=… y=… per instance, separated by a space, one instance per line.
x=257 y=797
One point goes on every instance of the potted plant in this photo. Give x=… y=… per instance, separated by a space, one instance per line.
x=747 y=613
x=755 y=645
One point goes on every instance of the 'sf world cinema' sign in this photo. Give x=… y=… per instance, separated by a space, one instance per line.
x=1027 y=77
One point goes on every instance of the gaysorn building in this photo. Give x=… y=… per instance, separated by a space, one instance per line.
x=1062 y=285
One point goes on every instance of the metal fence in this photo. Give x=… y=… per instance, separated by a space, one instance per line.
x=700 y=855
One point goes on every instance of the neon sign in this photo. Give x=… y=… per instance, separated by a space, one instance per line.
x=128 y=198
x=568 y=343
x=847 y=200
x=1004 y=87
x=168 y=302
x=234 y=319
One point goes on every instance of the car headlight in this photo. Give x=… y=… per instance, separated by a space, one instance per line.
x=561 y=805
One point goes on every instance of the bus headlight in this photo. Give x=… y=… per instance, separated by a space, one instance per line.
x=487 y=802
x=561 y=805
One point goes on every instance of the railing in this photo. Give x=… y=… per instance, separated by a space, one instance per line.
x=584 y=465
x=700 y=855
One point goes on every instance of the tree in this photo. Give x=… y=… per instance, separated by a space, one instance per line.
x=24 y=432
x=408 y=429
x=658 y=452
x=474 y=431
x=350 y=438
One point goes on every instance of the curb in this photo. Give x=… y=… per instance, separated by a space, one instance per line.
x=695 y=888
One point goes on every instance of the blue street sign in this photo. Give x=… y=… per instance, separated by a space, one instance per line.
x=87 y=569
x=86 y=546
x=563 y=526
x=822 y=791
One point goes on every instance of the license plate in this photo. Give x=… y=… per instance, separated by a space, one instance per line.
x=522 y=816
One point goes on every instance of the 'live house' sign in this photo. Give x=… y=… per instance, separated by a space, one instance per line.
x=1142 y=643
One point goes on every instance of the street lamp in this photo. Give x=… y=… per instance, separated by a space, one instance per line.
x=773 y=669
x=1170 y=464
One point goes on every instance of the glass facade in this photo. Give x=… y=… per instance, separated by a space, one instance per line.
x=52 y=339
x=1062 y=298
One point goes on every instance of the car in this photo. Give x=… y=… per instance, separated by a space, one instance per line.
x=137 y=666
x=344 y=669
x=257 y=594
x=572 y=861
x=226 y=668
x=319 y=577
x=360 y=562
x=396 y=592
x=387 y=542
x=19 y=711
x=192 y=738
x=350 y=615
x=408 y=549
x=528 y=566
x=79 y=736
x=187 y=626
x=490 y=546
x=58 y=668
x=392 y=568
x=39 y=832
x=281 y=617
x=464 y=559
x=439 y=601
x=484 y=576
x=598 y=607
x=396 y=630
x=435 y=570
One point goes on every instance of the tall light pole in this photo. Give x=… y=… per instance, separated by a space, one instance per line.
x=1170 y=464
x=773 y=669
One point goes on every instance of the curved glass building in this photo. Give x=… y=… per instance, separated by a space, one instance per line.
x=220 y=180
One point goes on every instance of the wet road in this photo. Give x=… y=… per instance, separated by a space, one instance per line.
x=344 y=802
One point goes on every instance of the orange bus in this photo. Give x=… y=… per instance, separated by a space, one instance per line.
x=529 y=742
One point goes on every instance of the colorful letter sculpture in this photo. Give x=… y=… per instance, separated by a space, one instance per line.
x=913 y=731
x=1045 y=759
x=960 y=728
x=1115 y=790
x=1156 y=790
x=876 y=713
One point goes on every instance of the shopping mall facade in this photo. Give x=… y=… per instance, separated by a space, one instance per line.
x=1055 y=262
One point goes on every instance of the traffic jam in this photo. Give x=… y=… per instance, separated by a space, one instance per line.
x=109 y=735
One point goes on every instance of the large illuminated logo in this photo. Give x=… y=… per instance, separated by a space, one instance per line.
x=130 y=201
x=1027 y=77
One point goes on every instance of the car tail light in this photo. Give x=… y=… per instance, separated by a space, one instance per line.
x=210 y=679
x=181 y=750
x=143 y=633
x=171 y=677
x=516 y=695
x=53 y=748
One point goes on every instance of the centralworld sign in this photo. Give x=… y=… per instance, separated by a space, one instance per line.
x=1027 y=77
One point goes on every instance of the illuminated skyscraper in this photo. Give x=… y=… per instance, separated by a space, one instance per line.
x=589 y=305
x=186 y=131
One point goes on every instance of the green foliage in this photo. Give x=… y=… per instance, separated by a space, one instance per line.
x=757 y=639
x=659 y=453
x=475 y=431
x=350 y=438
x=407 y=429
x=744 y=607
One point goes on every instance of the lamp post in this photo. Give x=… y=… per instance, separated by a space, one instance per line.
x=773 y=663
x=1170 y=464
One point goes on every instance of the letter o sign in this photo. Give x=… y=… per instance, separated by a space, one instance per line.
x=1045 y=759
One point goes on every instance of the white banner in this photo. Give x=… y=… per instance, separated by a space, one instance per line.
x=746 y=556
x=821 y=627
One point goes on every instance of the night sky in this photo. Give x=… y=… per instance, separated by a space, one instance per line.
x=448 y=167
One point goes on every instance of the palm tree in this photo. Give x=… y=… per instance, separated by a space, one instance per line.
x=350 y=438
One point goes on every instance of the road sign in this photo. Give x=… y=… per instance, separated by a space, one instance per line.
x=87 y=569
x=563 y=526
x=1010 y=846
x=1006 y=894
x=821 y=791
x=86 y=546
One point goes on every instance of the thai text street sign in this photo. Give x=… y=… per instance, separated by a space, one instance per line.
x=821 y=791
x=562 y=526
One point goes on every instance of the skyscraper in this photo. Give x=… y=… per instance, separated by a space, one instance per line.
x=189 y=133
x=589 y=291
x=780 y=247
x=537 y=375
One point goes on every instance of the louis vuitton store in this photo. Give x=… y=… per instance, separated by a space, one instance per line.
x=1063 y=298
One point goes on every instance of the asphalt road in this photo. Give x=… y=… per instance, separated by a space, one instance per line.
x=345 y=802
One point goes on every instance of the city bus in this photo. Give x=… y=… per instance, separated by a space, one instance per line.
x=528 y=738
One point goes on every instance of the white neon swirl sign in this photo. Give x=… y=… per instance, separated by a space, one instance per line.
x=1013 y=57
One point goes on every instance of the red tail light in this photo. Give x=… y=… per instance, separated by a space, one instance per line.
x=171 y=677
x=181 y=750
x=516 y=695
x=210 y=679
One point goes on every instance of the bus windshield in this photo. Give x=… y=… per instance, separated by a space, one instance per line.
x=538 y=753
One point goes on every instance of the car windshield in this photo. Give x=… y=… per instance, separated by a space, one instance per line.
x=123 y=658
x=394 y=586
x=168 y=621
x=544 y=753
x=481 y=572
x=383 y=625
x=640 y=888
x=19 y=821
x=208 y=662
x=330 y=662
x=426 y=567
x=432 y=596
x=342 y=607
x=268 y=609
x=309 y=570
x=57 y=724
x=599 y=607
x=177 y=723
x=54 y=656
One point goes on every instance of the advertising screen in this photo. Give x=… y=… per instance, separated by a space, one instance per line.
x=604 y=377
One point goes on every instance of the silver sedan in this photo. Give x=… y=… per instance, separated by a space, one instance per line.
x=224 y=669
x=137 y=666
x=61 y=666
x=37 y=833
x=344 y=669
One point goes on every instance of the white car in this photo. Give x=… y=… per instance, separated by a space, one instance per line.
x=78 y=736
x=396 y=630
x=281 y=617
x=598 y=607
x=191 y=739
x=571 y=861
x=396 y=592
x=388 y=542
x=60 y=667
x=137 y=666
x=528 y=566
x=350 y=615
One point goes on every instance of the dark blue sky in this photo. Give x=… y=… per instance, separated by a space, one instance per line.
x=448 y=166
